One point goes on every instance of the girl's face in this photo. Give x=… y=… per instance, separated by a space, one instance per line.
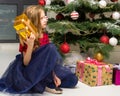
x=43 y=20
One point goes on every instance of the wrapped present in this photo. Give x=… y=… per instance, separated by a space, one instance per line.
x=116 y=74
x=94 y=73
x=24 y=26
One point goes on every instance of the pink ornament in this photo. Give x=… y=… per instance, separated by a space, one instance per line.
x=74 y=15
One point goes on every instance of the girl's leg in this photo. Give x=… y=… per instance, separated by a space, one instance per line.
x=38 y=88
x=69 y=81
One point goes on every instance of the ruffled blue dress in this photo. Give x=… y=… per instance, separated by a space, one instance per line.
x=37 y=75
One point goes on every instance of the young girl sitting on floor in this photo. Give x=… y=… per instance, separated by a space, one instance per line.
x=39 y=66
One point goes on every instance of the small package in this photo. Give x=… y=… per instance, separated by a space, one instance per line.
x=94 y=73
x=24 y=26
x=116 y=74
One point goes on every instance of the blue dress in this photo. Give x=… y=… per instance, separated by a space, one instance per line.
x=37 y=75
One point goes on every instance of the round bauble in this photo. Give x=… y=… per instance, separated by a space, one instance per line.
x=114 y=0
x=104 y=39
x=68 y=1
x=91 y=15
x=74 y=15
x=113 y=41
x=102 y=3
x=42 y=2
x=64 y=47
x=99 y=57
x=116 y=15
x=59 y=16
x=48 y=2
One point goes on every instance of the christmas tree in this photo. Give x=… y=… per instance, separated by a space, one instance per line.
x=90 y=23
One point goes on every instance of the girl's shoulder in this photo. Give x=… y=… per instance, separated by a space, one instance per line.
x=44 y=40
x=45 y=35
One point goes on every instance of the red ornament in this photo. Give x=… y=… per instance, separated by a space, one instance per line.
x=64 y=47
x=42 y=2
x=91 y=15
x=114 y=0
x=104 y=39
x=59 y=16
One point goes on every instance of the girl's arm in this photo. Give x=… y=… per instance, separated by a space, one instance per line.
x=57 y=80
x=30 y=44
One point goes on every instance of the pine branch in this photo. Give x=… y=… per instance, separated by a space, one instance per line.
x=86 y=5
x=85 y=31
x=64 y=27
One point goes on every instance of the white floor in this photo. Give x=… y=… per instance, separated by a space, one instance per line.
x=8 y=53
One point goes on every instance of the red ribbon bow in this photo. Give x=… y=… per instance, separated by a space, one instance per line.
x=94 y=61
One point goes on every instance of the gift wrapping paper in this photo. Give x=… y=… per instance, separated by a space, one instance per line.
x=94 y=73
x=116 y=76
x=24 y=26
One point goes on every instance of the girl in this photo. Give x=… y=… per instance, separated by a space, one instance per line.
x=39 y=66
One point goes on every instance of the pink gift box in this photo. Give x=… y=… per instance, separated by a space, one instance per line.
x=116 y=76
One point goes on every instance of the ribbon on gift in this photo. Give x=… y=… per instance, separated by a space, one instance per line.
x=80 y=69
x=24 y=26
x=93 y=61
x=99 y=65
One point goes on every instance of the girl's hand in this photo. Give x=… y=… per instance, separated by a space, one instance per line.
x=57 y=81
x=30 y=40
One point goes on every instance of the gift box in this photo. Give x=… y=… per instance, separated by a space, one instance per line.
x=94 y=73
x=116 y=75
x=24 y=26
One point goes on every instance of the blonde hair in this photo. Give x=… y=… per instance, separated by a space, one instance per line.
x=33 y=12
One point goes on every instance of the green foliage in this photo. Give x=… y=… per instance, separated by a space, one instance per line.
x=86 y=5
x=84 y=31
x=63 y=27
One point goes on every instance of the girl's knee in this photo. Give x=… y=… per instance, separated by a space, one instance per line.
x=70 y=81
x=74 y=80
